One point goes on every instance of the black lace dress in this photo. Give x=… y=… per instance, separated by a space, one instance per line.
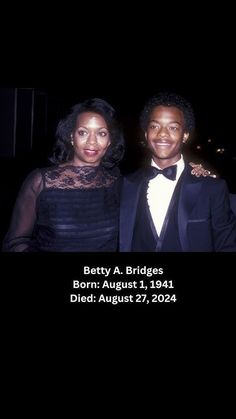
x=66 y=209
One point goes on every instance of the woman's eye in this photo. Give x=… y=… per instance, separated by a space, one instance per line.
x=82 y=133
x=103 y=133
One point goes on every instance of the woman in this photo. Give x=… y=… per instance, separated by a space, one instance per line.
x=73 y=205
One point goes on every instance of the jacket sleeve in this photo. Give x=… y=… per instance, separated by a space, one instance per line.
x=223 y=219
x=19 y=235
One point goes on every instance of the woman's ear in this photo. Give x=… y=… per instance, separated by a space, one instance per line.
x=185 y=137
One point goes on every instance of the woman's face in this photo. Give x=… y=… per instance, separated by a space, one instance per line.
x=90 y=139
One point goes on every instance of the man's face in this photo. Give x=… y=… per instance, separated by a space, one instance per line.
x=165 y=134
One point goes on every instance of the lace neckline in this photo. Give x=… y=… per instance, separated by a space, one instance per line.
x=73 y=166
x=79 y=177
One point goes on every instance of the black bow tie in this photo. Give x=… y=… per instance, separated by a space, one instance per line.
x=169 y=172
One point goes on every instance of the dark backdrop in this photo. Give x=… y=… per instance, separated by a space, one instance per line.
x=31 y=113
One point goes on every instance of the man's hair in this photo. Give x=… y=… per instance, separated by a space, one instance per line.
x=168 y=99
x=63 y=150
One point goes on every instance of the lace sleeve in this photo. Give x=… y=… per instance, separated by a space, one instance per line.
x=19 y=235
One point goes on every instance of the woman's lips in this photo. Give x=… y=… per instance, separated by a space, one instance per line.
x=91 y=152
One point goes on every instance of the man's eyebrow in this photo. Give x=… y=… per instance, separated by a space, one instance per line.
x=171 y=122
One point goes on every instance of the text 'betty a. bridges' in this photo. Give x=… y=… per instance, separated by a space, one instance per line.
x=127 y=270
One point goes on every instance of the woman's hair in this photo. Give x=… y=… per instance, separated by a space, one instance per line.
x=63 y=149
x=168 y=99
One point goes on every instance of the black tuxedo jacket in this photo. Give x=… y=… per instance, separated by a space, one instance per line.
x=205 y=220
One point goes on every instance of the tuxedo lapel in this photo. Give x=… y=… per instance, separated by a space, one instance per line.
x=189 y=191
x=128 y=209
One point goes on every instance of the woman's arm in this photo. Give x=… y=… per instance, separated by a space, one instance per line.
x=19 y=235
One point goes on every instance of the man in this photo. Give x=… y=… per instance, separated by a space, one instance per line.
x=164 y=208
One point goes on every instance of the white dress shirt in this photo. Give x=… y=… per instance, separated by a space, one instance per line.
x=159 y=193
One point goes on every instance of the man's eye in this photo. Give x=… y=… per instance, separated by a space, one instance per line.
x=153 y=126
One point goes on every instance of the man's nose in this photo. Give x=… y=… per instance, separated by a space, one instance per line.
x=163 y=132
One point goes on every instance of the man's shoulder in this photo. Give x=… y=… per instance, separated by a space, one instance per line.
x=207 y=182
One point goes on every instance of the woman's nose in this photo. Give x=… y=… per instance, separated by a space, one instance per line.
x=92 y=138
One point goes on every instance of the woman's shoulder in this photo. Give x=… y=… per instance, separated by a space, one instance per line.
x=48 y=171
x=33 y=182
x=36 y=178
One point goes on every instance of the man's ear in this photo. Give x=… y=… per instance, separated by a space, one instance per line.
x=185 y=137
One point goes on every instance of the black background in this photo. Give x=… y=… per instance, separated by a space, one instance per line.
x=145 y=51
